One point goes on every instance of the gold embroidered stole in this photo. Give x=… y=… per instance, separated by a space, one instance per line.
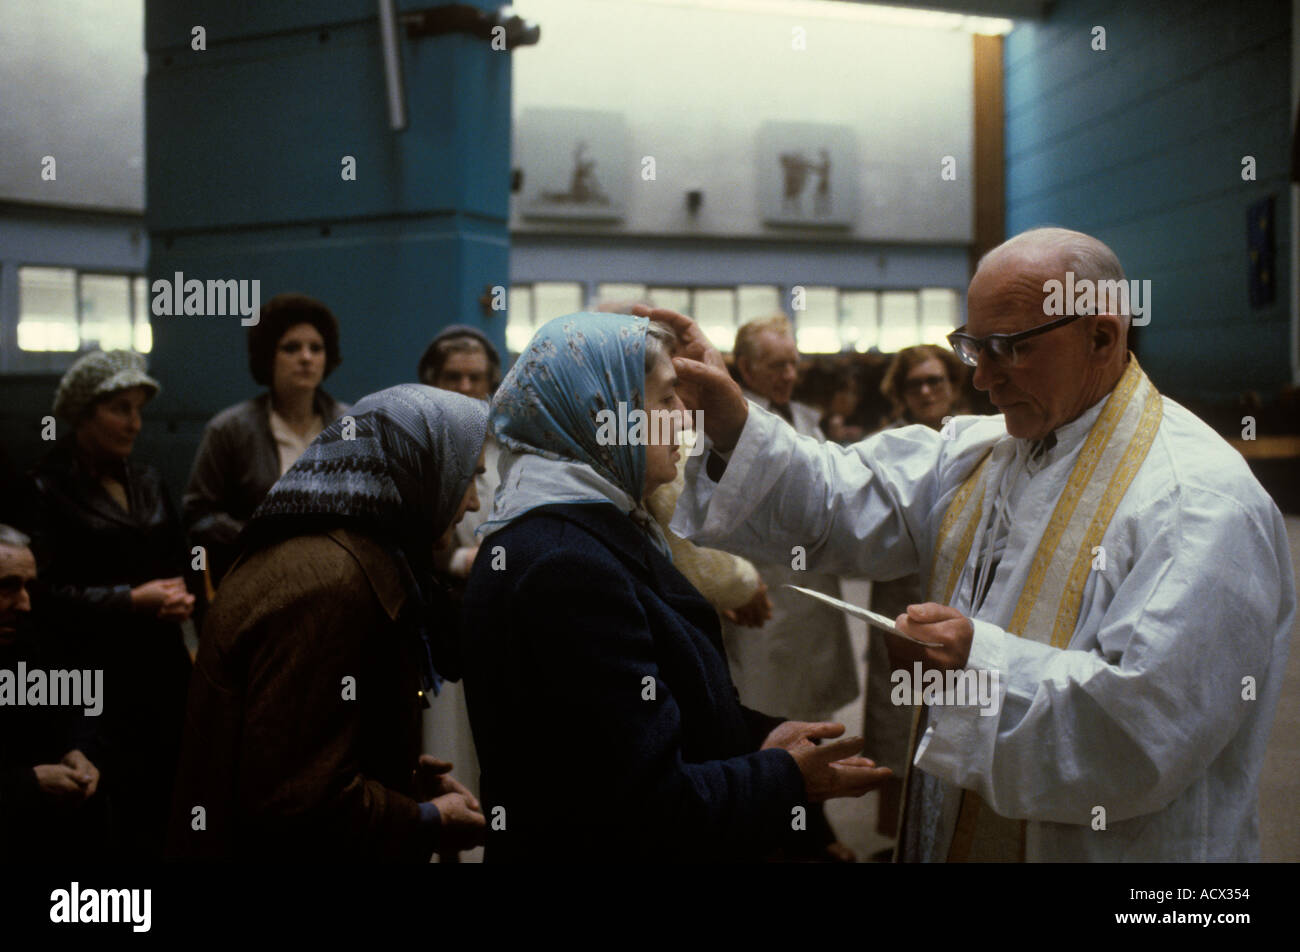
x=1047 y=609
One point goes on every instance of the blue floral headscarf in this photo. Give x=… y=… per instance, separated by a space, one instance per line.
x=546 y=413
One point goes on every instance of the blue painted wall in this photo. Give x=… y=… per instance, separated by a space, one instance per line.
x=1141 y=145
x=245 y=147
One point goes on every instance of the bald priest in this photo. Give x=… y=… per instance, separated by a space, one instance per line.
x=1095 y=553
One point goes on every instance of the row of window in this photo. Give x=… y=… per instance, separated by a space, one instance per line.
x=826 y=319
x=62 y=309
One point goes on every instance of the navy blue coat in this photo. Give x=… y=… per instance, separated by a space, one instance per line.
x=605 y=719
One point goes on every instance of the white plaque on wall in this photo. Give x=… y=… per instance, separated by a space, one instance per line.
x=575 y=164
x=807 y=174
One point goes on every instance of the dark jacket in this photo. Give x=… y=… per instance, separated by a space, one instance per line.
x=90 y=553
x=236 y=466
x=563 y=648
x=303 y=726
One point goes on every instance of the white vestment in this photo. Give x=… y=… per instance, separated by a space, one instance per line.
x=1158 y=709
x=800 y=664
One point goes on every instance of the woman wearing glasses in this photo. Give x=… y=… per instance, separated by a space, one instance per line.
x=924 y=384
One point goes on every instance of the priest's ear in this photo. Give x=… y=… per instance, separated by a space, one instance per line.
x=1107 y=337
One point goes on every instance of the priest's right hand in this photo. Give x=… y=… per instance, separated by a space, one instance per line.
x=703 y=382
x=932 y=622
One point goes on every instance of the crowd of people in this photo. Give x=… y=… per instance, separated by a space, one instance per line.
x=599 y=636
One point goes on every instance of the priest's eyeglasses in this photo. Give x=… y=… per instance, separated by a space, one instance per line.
x=1002 y=348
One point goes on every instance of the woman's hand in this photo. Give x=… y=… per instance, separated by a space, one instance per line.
x=836 y=770
x=164 y=598
x=60 y=782
x=83 y=771
x=829 y=771
x=463 y=824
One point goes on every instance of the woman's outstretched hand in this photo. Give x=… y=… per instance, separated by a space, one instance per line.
x=703 y=381
x=829 y=770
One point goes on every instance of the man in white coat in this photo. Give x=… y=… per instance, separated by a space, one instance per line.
x=800 y=664
x=1096 y=557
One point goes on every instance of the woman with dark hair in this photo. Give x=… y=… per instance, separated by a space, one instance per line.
x=302 y=736
x=111 y=557
x=292 y=348
x=579 y=626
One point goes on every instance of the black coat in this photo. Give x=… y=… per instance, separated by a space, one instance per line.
x=32 y=823
x=90 y=553
x=602 y=708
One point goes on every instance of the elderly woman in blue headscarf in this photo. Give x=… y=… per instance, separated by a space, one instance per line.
x=302 y=736
x=605 y=719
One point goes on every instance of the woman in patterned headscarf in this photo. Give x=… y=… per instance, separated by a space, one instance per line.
x=303 y=728
x=578 y=626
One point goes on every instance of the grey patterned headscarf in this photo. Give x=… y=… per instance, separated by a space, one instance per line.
x=396 y=467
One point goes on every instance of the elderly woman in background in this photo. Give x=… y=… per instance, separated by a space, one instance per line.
x=461 y=359
x=111 y=556
x=924 y=384
x=302 y=737
x=292 y=348
x=580 y=627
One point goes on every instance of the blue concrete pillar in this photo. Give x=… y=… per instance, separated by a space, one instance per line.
x=248 y=143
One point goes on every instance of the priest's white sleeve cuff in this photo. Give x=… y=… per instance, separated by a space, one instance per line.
x=963 y=726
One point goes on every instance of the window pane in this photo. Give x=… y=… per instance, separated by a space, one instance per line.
x=939 y=315
x=758 y=300
x=106 y=311
x=859 y=322
x=47 y=309
x=552 y=299
x=519 y=318
x=817 y=329
x=618 y=296
x=898 y=324
x=143 y=329
x=715 y=312
x=675 y=299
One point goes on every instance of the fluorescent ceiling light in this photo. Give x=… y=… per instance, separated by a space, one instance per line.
x=860 y=12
